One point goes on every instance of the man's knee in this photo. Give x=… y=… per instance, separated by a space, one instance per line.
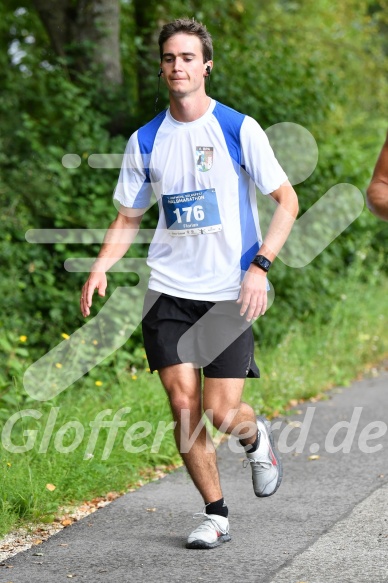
x=180 y=380
x=220 y=408
x=221 y=418
x=181 y=402
x=183 y=396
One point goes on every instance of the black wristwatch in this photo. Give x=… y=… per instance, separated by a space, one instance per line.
x=262 y=262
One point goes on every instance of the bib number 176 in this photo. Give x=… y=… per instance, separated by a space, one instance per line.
x=197 y=211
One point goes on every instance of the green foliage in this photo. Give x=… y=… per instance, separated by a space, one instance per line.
x=327 y=350
x=318 y=64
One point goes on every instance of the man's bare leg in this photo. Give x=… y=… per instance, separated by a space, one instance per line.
x=182 y=383
x=222 y=397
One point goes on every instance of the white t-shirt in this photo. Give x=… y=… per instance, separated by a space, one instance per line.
x=203 y=175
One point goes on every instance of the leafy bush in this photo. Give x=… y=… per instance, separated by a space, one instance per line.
x=278 y=61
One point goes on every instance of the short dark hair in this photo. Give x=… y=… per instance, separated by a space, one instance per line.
x=187 y=26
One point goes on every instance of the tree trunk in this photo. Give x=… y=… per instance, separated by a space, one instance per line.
x=146 y=14
x=86 y=33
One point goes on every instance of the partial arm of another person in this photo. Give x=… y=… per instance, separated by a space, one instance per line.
x=377 y=193
x=117 y=241
x=253 y=294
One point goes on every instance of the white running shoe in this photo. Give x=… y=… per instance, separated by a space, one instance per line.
x=213 y=531
x=266 y=465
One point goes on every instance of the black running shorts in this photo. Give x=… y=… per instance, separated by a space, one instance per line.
x=211 y=335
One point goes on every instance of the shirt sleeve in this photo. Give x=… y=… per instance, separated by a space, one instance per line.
x=258 y=158
x=134 y=188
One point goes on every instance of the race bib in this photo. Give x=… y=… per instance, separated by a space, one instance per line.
x=192 y=213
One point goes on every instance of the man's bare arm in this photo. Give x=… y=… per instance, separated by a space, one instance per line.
x=117 y=241
x=282 y=221
x=253 y=294
x=377 y=193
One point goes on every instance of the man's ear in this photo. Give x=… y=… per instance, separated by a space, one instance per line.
x=208 y=68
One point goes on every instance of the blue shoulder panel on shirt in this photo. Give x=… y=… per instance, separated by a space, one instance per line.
x=146 y=134
x=230 y=121
x=146 y=137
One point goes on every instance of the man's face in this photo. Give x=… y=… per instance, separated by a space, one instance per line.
x=183 y=66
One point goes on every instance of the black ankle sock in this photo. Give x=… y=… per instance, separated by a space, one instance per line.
x=218 y=507
x=251 y=447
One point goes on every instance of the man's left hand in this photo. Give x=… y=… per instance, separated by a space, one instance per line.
x=253 y=294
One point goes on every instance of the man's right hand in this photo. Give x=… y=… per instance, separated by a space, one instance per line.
x=96 y=280
x=117 y=241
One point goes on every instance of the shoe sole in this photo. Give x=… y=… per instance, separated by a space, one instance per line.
x=279 y=462
x=201 y=544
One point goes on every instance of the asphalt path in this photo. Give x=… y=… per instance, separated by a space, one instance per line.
x=327 y=523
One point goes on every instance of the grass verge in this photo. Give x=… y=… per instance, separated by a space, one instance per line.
x=314 y=357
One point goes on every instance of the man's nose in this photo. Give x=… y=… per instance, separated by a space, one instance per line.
x=178 y=64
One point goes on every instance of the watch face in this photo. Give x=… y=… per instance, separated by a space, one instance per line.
x=262 y=262
x=265 y=263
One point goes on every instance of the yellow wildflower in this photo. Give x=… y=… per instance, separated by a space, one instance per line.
x=134 y=377
x=58 y=365
x=98 y=383
x=95 y=342
x=22 y=338
x=65 y=336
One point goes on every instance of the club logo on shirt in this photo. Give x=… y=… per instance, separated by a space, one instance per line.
x=203 y=158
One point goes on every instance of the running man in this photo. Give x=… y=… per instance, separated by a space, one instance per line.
x=208 y=262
